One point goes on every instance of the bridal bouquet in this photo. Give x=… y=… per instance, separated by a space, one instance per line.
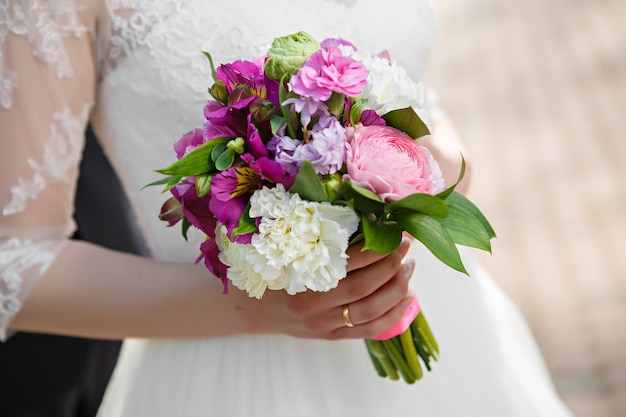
x=303 y=152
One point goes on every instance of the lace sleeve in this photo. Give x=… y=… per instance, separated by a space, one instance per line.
x=46 y=87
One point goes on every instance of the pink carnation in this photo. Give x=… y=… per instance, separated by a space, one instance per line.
x=326 y=71
x=391 y=164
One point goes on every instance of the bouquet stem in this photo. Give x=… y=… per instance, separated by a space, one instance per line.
x=399 y=355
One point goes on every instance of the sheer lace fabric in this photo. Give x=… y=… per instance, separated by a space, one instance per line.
x=46 y=92
x=22 y=261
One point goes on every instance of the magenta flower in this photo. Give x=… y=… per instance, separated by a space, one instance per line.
x=231 y=191
x=255 y=142
x=210 y=253
x=240 y=73
x=271 y=171
x=371 y=118
x=195 y=208
x=225 y=121
x=188 y=142
x=328 y=71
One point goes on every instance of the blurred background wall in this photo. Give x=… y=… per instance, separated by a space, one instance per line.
x=538 y=90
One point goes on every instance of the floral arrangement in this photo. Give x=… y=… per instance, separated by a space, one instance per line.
x=303 y=152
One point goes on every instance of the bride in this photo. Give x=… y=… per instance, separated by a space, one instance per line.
x=134 y=69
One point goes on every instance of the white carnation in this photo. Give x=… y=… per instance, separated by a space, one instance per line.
x=300 y=245
x=389 y=87
x=240 y=271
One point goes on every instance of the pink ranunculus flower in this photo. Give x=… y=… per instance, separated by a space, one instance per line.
x=328 y=70
x=391 y=164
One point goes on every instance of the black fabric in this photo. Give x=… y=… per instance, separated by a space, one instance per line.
x=57 y=376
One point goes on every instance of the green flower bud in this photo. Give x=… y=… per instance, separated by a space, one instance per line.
x=262 y=110
x=219 y=92
x=241 y=92
x=171 y=211
x=288 y=53
x=236 y=145
x=333 y=187
x=203 y=184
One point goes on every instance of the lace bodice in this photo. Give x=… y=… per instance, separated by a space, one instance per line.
x=135 y=68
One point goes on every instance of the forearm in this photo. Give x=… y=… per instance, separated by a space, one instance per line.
x=95 y=292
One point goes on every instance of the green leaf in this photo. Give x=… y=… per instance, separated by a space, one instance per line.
x=173 y=180
x=282 y=96
x=225 y=160
x=422 y=203
x=380 y=236
x=434 y=236
x=335 y=103
x=210 y=58
x=275 y=123
x=246 y=224
x=407 y=121
x=185 y=225
x=364 y=200
x=444 y=194
x=162 y=181
x=218 y=150
x=169 y=182
x=463 y=204
x=465 y=229
x=196 y=162
x=308 y=184
x=356 y=109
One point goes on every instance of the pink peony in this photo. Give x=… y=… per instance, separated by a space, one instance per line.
x=328 y=71
x=391 y=164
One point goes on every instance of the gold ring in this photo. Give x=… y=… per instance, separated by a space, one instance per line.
x=346 y=316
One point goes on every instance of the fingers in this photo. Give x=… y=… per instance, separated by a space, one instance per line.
x=359 y=283
x=360 y=259
x=375 y=292
x=381 y=310
x=384 y=299
x=364 y=281
x=375 y=327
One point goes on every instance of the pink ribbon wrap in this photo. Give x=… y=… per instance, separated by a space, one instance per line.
x=409 y=315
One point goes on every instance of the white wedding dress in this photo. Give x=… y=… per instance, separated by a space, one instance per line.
x=144 y=57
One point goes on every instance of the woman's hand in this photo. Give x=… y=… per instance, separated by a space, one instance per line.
x=375 y=292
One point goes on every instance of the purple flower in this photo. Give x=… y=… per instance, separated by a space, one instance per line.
x=327 y=43
x=326 y=149
x=284 y=149
x=328 y=70
x=307 y=107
